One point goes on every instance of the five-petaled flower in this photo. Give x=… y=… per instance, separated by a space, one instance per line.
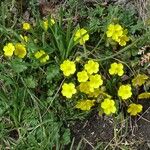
x=82 y=36
x=91 y=67
x=26 y=26
x=114 y=31
x=125 y=91
x=20 y=50
x=116 y=68
x=108 y=106
x=68 y=67
x=9 y=49
x=82 y=76
x=68 y=90
x=95 y=81
x=134 y=109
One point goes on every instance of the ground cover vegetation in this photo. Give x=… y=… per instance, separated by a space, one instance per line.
x=62 y=69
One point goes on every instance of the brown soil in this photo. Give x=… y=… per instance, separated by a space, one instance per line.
x=98 y=129
x=142 y=125
x=93 y=130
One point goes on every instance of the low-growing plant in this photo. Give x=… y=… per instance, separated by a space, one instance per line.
x=54 y=72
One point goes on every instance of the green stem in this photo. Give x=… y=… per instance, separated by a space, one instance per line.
x=85 y=50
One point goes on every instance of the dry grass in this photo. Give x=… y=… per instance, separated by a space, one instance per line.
x=143 y=8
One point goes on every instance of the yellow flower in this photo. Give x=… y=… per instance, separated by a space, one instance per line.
x=68 y=67
x=85 y=87
x=108 y=106
x=122 y=40
x=114 y=31
x=44 y=59
x=68 y=90
x=91 y=67
x=139 y=80
x=45 y=24
x=125 y=91
x=99 y=93
x=39 y=54
x=134 y=109
x=145 y=95
x=95 y=81
x=9 y=49
x=52 y=22
x=42 y=56
x=81 y=35
x=85 y=104
x=20 y=50
x=95 y=94
x=26 y=26
x=24 y=38
x=82 y=76
x=116 y=68
x=78 y=59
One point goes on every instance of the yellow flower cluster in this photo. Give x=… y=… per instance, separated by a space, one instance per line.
x=17 y=49
x=117 y=33
x=41 y=56
x=89 y=84
x=125 y=91
x=85 y=105
x=46 y=23
x=108 y=106
x=116 y=68
x=92 y=85
x=89 y=81
x=68 y=68
x=134 y=109
x=82 y=36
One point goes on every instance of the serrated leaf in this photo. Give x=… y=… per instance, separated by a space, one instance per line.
x=30 y=82
x=18 y=66
x=52 y=72
x=145 y=95
x=139 y=80
x=66 y=137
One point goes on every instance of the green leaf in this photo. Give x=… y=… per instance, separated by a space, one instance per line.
x=18 y=66
x=66 y=137
x=52 y=72
x=30 y=82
